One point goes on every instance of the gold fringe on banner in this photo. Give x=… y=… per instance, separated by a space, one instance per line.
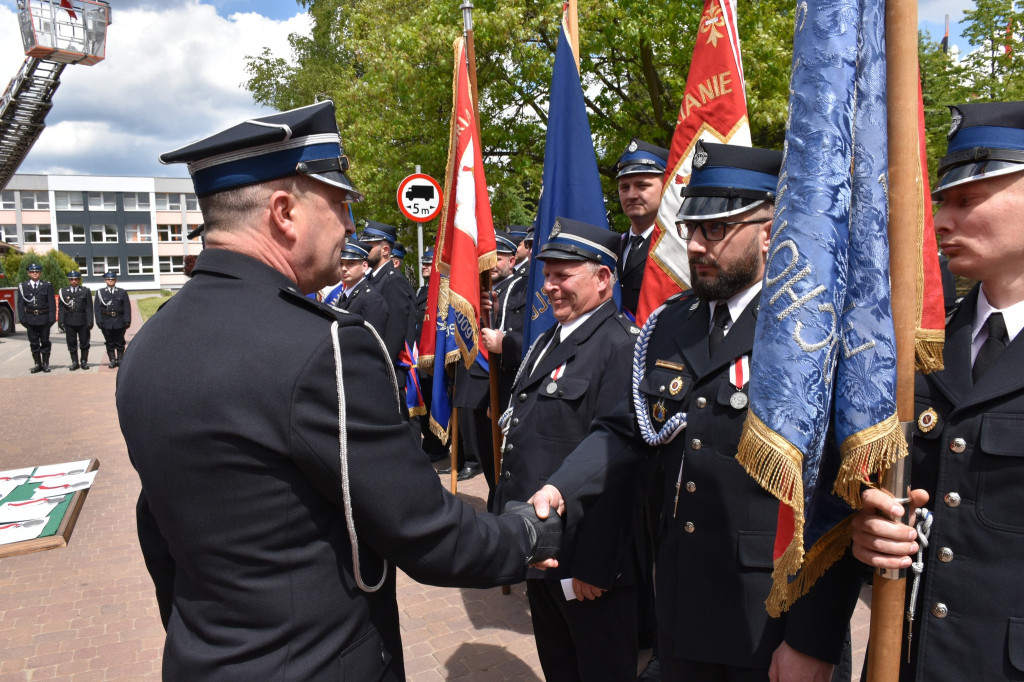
x=829 y=548
x=777 y=467
x=928 y=345
x=871 y=451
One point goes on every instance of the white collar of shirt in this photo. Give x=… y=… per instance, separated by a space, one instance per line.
x=737 y=304
x=383 y=265
x=565 y=331
x=629 y=240
x=1013 y=317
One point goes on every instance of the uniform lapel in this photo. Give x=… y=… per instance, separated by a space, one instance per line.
x=955 y=380
x=566 y=350
x=692 y=335
x=1001 y=378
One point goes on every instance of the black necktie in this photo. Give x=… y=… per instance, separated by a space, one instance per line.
x=634 y=248
x=720 y=321
x=993 y=346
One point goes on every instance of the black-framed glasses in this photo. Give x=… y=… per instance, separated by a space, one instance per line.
x=713 y=230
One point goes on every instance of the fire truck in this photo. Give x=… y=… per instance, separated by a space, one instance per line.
x=8 y=310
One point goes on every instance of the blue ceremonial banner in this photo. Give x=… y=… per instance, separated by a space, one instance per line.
x=823 y=372
x=572 y=185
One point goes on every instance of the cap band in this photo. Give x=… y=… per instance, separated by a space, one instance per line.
x=582 y=247
x=248 y=169
x=731 y=178
x=372 y=234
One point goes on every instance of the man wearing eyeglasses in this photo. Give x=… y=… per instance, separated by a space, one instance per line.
x=717 y=524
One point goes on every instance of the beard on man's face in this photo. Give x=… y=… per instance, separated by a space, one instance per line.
x=375 y=257
x=731 y=279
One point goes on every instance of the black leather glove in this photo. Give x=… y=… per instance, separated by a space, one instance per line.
x=545 y=534
x=60 y=328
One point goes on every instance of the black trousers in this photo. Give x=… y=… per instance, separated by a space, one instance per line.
x=475 y=432
x=77 y=336
x=581 y=641
x=113 y=339
x=39 y=337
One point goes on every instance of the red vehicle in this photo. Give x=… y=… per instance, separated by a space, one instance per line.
x=8 y=310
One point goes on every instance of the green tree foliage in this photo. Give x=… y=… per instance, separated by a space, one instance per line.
x=388 y=66
x=56 y=266
x=992 y=68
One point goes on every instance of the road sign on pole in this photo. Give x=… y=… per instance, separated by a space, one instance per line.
x=419 y=197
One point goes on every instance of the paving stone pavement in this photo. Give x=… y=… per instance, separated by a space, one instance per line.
x=87 y=612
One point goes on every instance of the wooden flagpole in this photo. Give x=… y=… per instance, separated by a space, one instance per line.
x=573 y=24
x=485 y=277
x=905 y=193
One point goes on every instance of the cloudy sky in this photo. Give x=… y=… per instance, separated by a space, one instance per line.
x=174 y=72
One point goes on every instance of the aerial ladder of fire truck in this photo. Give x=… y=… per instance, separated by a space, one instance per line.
x=55 y=33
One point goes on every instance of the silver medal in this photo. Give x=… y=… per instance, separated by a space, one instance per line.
x=551 y=388
x=738 y=400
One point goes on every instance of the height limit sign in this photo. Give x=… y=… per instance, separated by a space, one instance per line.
x=419 y=197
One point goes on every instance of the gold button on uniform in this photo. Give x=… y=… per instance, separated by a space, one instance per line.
x=939 y=610
x=952 y=499
x=688 y=527
x=690 y=486
x=702 y=402
x=945 y=555
x=958 y=445
x=696 y=444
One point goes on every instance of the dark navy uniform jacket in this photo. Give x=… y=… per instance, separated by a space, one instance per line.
x=368 y=304
x=969 y=456
x=550 y=416
x=400 y=297
x=36 y=306
x=631 y=272
x=242 y=518
x=715 y=559
x=75 y=309
x=113 y=311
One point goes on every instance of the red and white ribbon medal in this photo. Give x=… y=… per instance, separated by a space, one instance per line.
x=739 y=376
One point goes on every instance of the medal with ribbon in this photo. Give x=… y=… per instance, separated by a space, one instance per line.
x=739 y=376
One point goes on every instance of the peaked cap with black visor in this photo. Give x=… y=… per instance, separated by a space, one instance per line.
x=575 y=240
x=985 y=140
x=728 y=180
x=303 y=141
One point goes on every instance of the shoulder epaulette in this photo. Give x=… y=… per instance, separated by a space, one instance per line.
x=629 y=325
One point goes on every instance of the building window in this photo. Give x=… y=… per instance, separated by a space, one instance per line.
x=9 y=233
x=103 y=234
x=71 y=234
x=191 y=202
x=7 y=200
x=194 y=240
x=140 y=265
x=68 y=201
x=35 y=201
x=169 y=233
x=138 y=233
x=136 y=201
x=100 y=264
x=102 y=201
x=168 y=202
x=37 y=233
x=82 y=262
x=170 y=265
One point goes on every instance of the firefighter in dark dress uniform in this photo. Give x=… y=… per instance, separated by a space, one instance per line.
x=359 y=297
x=687 y=407
x=639 y=173
x=584 y=612
x=968 y=445
x=113 y=316
x=281 y=488
x=388 y=281
x=37 y=311
x=74 y=318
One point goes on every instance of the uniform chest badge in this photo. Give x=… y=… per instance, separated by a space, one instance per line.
x=659 y=412
x=551 y=388
x=675 y=386
x=927 y=420
x=738 y=400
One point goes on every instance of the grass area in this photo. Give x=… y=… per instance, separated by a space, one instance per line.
x=148 y=306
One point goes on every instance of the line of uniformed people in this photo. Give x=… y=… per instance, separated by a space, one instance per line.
x=75 y=310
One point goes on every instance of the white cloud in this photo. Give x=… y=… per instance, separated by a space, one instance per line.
x=172 y=75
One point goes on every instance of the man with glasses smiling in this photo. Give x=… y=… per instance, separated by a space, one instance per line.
x=688 y=407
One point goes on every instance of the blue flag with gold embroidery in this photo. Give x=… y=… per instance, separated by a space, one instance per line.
x=572 y=184
x=823 y=371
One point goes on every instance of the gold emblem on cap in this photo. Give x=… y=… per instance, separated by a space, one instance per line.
x=675 y=386
x=658 y=411
x=927 y=420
